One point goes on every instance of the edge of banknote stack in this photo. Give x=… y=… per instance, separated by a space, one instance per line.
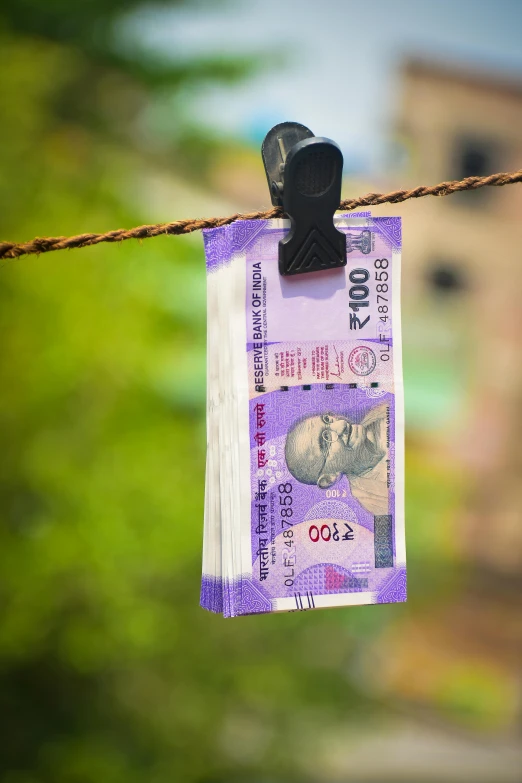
x=304 y=499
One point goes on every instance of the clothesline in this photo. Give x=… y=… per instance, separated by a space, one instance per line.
x=46 y=244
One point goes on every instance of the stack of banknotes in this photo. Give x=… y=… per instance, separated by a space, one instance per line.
x=304 y=503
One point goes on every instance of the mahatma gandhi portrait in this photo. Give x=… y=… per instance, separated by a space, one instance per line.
x=322 y=448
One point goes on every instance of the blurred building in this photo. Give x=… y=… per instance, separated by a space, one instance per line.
x=465 y=255
x=462 y=321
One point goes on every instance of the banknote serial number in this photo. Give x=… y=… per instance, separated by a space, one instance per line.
x=286 y=513
x=360 y=293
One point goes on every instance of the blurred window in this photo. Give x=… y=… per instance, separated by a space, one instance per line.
x=446 y=278
x=475 y=157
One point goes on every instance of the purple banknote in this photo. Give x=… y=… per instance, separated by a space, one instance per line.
x=309 y=511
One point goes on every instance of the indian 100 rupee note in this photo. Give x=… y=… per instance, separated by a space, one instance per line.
x=306 y=424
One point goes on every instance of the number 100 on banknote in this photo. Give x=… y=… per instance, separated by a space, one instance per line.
x=319 y=396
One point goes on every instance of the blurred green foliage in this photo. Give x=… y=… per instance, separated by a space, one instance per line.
x=109 y=671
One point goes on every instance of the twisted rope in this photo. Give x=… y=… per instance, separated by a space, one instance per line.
x=46 y=244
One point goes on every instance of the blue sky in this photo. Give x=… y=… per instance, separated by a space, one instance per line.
x=341 y=72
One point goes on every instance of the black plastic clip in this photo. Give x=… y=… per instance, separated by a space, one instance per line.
x=304 y=174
